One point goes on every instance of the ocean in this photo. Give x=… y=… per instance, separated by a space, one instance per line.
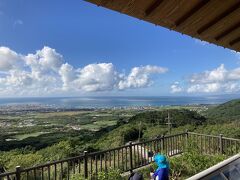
x=110 y=102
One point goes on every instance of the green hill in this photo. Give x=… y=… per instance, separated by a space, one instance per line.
x=226 y=112
x=153 y=123
x=178 y=117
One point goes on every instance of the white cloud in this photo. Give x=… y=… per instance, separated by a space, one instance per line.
x=217 y=80
x=67 y=74
x=218 y=74
x=206 y=88
x=97 y=77
x=45 y=60
x=9 y=59
x=45 y=72
x=140 y=76
x=176 y=88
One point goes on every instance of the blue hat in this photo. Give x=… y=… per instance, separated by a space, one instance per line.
x=161 y=161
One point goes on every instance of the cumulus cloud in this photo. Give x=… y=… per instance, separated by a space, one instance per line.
x=9 y=59
x=176 y=88
x=97 y=77
x=44 y=60
x=216 y=75
x=67 y=74
x=46 y=72
x=140 y=76
x=216 y=80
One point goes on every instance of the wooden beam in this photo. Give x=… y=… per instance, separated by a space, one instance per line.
x=153 y=7
x=228 y=31
x=235 y=41
x=219 y=18
x=195 y=9
x=125 y=8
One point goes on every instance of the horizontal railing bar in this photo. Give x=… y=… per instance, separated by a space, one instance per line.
x=231 y=139
x=207 y=135
x=214 y=136
x=7 y=174
x=108 y=150
x=152 y=140
x=52 y=163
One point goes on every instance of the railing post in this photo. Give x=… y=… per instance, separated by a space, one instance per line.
x=187 y=137
x=85 y=164
x=163 y=143
x=18 y=173
x=131 y=159
x=221 y=143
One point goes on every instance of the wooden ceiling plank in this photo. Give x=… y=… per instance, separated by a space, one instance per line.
x=125 y=8
x=227 y=32
x=206 y=14
x=153 y=7
x=199 y=6
x=234 y=41
x=136 y=8
x=219 y=18
x=236 y=46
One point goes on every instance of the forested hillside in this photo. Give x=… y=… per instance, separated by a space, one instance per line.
x=226 y=112
x=178 y=117
x=151 y=124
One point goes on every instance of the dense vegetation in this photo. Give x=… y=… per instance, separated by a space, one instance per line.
x=226 y=112
x=179 y=117
x=104 y=129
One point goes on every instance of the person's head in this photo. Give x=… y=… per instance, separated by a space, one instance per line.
x=161 y=161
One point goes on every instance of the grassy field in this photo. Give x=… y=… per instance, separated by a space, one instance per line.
x=34 y=125
x=45 y=128
x=20 y=137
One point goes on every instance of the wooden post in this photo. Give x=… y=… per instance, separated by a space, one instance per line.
x=18 y=173
x=131 y=159
x=163 y=143
x=221 y=143
x=139 y=131
x=187 y=137
x=85 y=164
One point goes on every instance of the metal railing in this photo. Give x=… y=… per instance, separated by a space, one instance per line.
x=209 y=144
x=125 y=158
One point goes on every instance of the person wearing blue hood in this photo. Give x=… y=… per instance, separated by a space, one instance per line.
x=162 y=172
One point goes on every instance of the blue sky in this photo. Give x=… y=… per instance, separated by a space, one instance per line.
x=91 y=39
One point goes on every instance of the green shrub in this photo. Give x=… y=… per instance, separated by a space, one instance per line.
x=193 y=162
x=110 y=174
x=77 y=177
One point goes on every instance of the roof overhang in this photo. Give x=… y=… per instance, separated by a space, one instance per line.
x=214 y=21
